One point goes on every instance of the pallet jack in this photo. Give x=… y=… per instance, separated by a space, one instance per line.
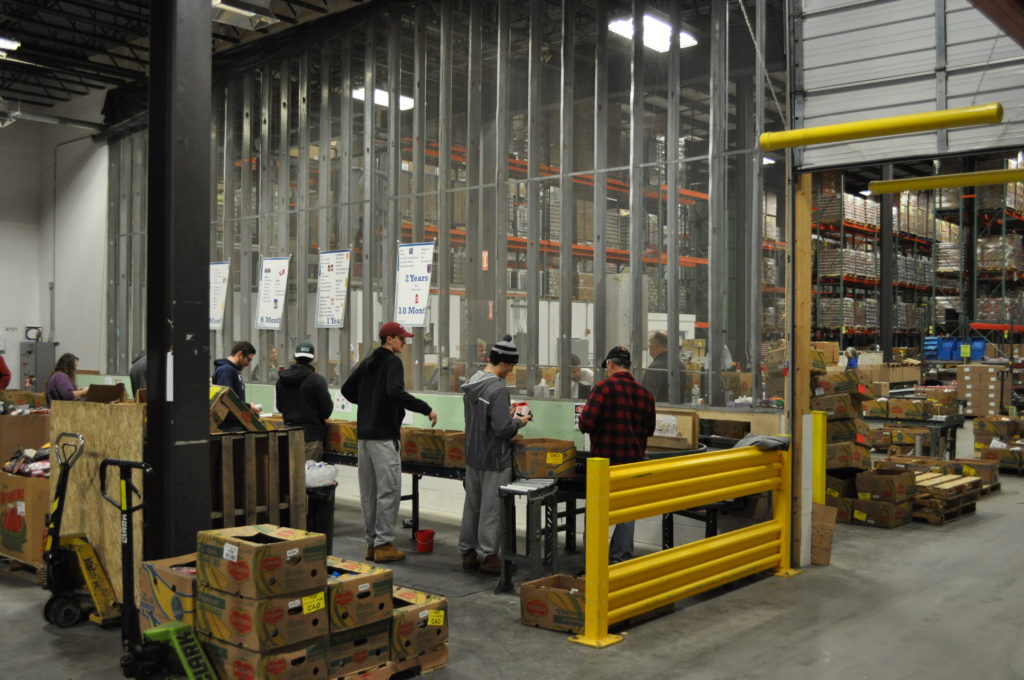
x=171 y=650
x=73 y=572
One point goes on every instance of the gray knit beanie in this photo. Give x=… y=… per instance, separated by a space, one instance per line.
x=504 y=351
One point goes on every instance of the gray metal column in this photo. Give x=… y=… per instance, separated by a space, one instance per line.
x=444 y=204
x=280 y=241
x=347 y=215
x=566 y=189
x=419 y=125
x=941 y=74
x=177 y=445
x=394 y=212
x=249 y=210
x=474 y=299
x=755 y=226
x=369 y=334
x=501 y=157
x=672 y=204
x=600 y=180
x=302 y=328
x=323 y=192
x=533 y=146
x=886 y=267
x=717 y=189
x=638 y=306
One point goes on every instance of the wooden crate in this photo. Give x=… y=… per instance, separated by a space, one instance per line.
x=258 y=478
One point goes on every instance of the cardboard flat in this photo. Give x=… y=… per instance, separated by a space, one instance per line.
x=262 y=624
x=357 y=649
x=307 y=661
x=24 y=503
x=823 y=528
x=262 y=560
x=540 y=458
x=359 y=595
x=553 y=602
x=419 y=622
x=167 y=594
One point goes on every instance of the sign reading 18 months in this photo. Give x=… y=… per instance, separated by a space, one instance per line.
x=412 y=283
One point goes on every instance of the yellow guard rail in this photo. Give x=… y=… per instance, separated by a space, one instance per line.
x=624 y=493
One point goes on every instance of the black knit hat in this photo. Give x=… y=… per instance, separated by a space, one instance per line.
x=619 y=355
x=504 y=351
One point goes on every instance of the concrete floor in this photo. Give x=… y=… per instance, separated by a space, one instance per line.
x=919 y=601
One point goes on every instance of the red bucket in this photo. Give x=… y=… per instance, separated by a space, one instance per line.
x=425 y=541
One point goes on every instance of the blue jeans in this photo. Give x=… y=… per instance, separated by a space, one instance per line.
x=621 y=547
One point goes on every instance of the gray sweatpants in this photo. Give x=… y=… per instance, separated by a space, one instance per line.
x=380 y=489
x=481 y=511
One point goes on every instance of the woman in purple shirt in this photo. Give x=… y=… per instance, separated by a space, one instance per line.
x=61 y=384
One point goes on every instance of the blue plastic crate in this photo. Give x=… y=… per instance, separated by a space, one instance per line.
x=978 y=349
x=949 y=349
x=930 y=348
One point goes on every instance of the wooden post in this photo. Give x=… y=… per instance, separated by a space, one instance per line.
x=798 y=399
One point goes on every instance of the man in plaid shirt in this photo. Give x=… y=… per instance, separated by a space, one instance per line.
x=619 y=417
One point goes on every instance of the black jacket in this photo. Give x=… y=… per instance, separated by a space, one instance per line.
x=377 y=386
x=303 y=400
x=656 y=376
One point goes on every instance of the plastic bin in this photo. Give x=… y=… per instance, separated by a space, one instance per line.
x=320 y=512
x=977 y=349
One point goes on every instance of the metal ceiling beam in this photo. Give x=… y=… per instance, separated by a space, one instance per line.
x=112 y=10
x=41 y=56
x=31 y=38
x=46 y=93
x=67 y=30
x=71 y=16
x=49 y=72
x=31 y=101
x=60 y=83
x=306 y=5
x=67 y=70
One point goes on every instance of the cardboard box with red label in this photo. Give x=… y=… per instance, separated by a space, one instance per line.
x=306 y=661
x=842 y=482
x=261 y=560
x=850 y=382
x=881 y=513
x=264 y=624
x=357 y=649
x=987 y=470
x=837 y=405
x=890 y=485
x=419 y=622
x=358 y=594
x=553 y=602
x=540 y=458
x=847 y=454
x=167 y=591
x=854 y=430
x=843 y=506
x=24 y=503
x=910 y=409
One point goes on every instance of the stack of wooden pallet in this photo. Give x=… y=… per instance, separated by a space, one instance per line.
x=942 y=498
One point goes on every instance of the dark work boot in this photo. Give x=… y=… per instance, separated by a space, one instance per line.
x=469 y=562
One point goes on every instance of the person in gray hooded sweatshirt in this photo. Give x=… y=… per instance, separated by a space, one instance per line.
x=490 y=427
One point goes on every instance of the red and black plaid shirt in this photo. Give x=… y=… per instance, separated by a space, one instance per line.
x=619 y=417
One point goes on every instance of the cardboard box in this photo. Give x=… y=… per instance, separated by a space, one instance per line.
x=106 y=394
x=854 y=430
x=24 y=398
x=910 y=409
x=823 y=528
x=843 y=506
x=1012 y=457
x=847 y=454
x=819 y=364
x=837 y=406
x=842 y=482
x=907 y=435
x=358 y=594
x=540 y=458
x=444 y=448
x=262 y=624
x=306 y=661
x=24 y=504
x=881 y=513
x=829 y=349
x=262 y=560
x=849 y=382
x=167 y=591
x=983 y=439
x=939 y=394
x=356 y=649
x=916 y=464
x=892 y=486
x=1000 y=426
x=553 y=602
x=223 y=401
x=988 y=470
x=881 y=389
x=341 y=436
x=419 y=622
x=879 y=438
x=23 y=432
x=874 y=408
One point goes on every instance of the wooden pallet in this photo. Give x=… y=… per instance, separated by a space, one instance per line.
x=986 y=489
x=937 y=485
x=944 y=513
x=421 y=664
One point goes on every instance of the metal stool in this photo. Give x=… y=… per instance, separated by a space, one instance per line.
x=541 y=534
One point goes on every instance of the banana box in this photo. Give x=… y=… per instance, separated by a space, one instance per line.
x=305 y=661
x=419 y=622
x=342 y=437
x=357 y=594
x=261 y=560
x=167 y=591
x=264 y=624
x=359 y=648
x=553 y=602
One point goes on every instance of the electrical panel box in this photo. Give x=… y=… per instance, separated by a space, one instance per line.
x=37 y=362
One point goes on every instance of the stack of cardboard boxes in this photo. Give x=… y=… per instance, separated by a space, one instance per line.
x=360 y=606
x=261 y=609
x=986 y=389
x=1001 y=439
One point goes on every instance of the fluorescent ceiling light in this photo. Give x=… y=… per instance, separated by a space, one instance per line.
x=657 y=33
x=865 y=192
x=3 y=55
x=245 y=14
x=767 y=160
x=9 y=44
x=381 y=98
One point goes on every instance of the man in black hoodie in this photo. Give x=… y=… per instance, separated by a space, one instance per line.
x=303 y=400
x=377 y=386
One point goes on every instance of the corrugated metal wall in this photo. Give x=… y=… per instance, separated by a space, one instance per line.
x=876 y=58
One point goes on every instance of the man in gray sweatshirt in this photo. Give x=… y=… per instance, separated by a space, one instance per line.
x=490 y=427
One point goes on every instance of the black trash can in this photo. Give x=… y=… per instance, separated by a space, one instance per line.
x=320 y=512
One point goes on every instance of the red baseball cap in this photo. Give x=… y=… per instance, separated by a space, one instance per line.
x=392 y=328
